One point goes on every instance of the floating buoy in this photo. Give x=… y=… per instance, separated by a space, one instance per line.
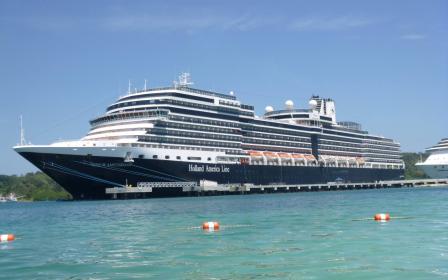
x=382 y=217
x=210 y=226
x=7 y=237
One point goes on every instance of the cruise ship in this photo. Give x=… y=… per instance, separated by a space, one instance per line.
x=184 y=134
x=436 y=165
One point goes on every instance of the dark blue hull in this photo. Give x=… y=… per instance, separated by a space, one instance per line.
x=88 y=177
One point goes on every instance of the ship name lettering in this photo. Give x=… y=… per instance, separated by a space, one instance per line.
x=208 y=169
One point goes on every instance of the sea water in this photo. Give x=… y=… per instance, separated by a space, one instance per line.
x=313 y=235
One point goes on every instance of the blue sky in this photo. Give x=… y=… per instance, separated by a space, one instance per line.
x=384 y=62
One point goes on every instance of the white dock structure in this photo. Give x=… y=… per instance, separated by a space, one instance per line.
x=205 y=188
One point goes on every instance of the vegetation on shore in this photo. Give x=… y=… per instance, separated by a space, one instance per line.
x=38 y=186
x=411 y=171
x=32 y=187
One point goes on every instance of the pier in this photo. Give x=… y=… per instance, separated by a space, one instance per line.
x=206 y=188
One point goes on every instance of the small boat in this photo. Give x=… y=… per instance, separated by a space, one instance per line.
x=12 y=197
x=9 y=198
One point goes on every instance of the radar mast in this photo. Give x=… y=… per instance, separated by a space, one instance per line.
x=185 y=80
x=22 y=132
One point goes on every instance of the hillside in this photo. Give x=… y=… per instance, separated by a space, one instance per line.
x=32 y=186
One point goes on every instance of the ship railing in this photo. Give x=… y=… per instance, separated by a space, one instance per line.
x=166 y=184
x=65 y=140
x=154 y=114
x=188 y=89
x=288 y=111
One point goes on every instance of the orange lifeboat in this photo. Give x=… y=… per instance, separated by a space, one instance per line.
x=255 y=154
x=284 y=155
x=310 y=157
x=270 y=155
x=297 y=156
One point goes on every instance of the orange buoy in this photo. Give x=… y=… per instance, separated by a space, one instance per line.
x=7 y=237
x=210 y=226
x=382 y=217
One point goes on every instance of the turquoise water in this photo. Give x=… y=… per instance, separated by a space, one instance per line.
x=281 y=236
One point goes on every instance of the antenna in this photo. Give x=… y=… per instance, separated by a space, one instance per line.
x=22 y=132
x=145 y=84
x=129 y=86
x=185 y=80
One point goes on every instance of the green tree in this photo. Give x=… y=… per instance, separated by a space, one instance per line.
x=412 y=171
x=32 y=186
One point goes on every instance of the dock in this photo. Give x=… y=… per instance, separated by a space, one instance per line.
x=207 y=188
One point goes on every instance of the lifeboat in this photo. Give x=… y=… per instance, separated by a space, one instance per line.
x=270 y=155
x=360 y=160
x=298 y=156
x=255 y=154
x=309 y=157
x=342 y=161
x=284 y=155
x=271 y=158
x=285 y=158
x=330 y=159
x=299 y=159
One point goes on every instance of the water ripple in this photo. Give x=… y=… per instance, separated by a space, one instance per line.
x=289 y=236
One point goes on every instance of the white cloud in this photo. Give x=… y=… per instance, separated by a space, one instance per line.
x=194 y=23
x=329 y=24
x=413 y=37
x=181 y=23
x=156 y=23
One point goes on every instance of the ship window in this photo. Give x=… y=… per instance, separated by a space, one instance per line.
x=141 y=156
x=194 y=158
x=209 y=159
x=167 y=157
x=154 y=156
x=178 y=157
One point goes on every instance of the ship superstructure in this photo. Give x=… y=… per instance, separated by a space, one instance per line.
x=180 y=133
